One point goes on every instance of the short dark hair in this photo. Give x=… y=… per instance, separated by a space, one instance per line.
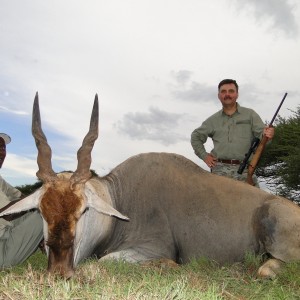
x=228 y=81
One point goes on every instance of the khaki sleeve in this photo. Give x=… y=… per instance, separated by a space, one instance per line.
x=8 y=190
x=198 y=139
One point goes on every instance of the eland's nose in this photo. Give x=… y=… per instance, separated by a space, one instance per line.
x=64 y=272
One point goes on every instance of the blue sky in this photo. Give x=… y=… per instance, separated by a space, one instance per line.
x=154 y=64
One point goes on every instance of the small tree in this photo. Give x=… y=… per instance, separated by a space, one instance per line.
x=28 y=189
x=280 y=162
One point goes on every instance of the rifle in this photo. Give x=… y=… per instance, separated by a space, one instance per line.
x=261 y=148
x=251 y=150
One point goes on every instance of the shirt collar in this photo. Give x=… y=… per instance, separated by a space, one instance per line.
x=238 y=107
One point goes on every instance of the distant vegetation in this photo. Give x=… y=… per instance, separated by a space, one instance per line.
x=28 y=189
x=280 y=163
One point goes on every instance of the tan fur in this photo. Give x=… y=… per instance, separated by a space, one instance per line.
x=61 y=207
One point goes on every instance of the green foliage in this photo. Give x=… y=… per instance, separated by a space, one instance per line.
x=28 y=189
x=280 y=162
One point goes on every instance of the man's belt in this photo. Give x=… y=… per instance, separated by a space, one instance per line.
x=230 y=161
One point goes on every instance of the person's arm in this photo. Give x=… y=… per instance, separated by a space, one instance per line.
x=8 y=196
x=11 y=192
x=198 y=139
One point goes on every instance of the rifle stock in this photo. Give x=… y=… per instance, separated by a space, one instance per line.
x=255 y=159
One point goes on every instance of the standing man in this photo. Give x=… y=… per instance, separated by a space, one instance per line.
x=21 y=236
x=231 y=129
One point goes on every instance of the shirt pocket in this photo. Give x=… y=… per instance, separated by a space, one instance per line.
x=243 y=129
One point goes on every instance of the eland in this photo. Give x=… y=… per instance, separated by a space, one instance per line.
x=155 y=206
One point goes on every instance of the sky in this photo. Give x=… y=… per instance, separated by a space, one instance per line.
x=155 y=65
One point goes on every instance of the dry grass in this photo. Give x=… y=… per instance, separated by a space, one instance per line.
x=201 y=279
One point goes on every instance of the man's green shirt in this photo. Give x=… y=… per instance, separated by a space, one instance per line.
x=7 y=193
x=231 y=135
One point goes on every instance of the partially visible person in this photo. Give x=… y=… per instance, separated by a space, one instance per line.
x=19 y=237
x=232 y=130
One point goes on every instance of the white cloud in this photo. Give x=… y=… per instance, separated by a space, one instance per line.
x=19 y=170
x=157 y=125
x=17 y=112
x=279 y=14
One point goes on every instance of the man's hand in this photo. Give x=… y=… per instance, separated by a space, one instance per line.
x=210 y=160
x=269 y=132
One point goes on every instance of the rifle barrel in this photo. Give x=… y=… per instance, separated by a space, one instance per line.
x=275 y=115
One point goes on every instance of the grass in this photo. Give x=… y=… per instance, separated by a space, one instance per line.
x=200 y=279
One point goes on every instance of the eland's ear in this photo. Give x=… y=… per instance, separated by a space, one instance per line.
x=95 y=202
x=25 y=204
